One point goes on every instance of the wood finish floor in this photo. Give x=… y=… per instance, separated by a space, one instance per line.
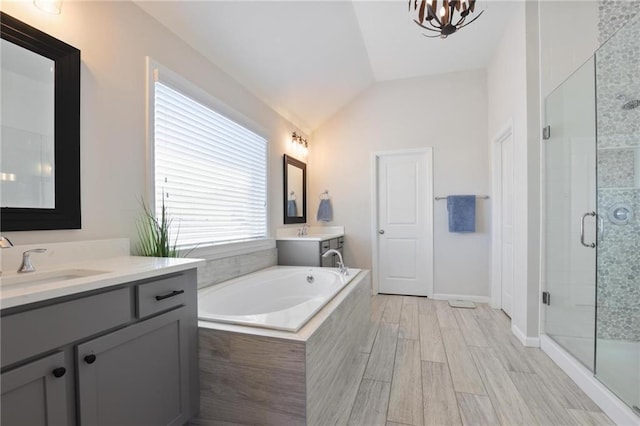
x=430 y=364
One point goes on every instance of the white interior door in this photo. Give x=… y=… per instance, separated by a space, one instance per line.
x=405 y=222
x=506 y=209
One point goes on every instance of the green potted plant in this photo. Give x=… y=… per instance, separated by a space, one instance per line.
x=153 y=234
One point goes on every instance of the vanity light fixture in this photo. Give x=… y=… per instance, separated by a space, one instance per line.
x=50 y=6
x=7 y=177
x=299 y=143
x=439 y=16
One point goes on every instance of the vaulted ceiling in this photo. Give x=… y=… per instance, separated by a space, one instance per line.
x=307 y=59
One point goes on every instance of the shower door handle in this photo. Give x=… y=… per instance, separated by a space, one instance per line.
x=584 y=216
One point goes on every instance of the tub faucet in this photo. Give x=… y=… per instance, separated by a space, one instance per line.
x=26 y=260
x=343 y=269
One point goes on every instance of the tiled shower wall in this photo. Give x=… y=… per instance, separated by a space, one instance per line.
x=618 y=82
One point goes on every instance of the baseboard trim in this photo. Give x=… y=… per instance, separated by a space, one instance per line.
x=613 y=407
x=531 y=342
x=477 y=299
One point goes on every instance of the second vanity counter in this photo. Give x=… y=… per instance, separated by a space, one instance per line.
x=314 y=233
x=308 y=250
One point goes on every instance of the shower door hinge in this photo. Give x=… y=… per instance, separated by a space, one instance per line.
x=546 y=298
x=546 y=133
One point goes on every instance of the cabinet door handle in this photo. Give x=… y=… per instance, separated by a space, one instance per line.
x=168 y=295
x=59 y=372
x=90 y=359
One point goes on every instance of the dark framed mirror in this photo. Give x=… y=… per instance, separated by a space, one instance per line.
x=295 y=190
x=40 y=124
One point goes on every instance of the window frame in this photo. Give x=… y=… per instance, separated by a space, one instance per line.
x=211 y=250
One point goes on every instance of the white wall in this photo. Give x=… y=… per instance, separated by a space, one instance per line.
x=507 y=92
x=568 y=37
x=114 y=39
x=446 y=112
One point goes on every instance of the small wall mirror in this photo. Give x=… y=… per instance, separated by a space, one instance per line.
x=295 y=191
x=40 y=129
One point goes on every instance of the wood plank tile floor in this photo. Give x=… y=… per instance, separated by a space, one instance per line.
x=431 y=364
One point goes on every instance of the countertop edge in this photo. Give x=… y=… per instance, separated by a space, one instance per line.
x=311 y=237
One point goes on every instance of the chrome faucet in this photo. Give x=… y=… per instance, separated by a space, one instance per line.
x=26 y=260
x=343 y=269
x=303 y=231
x=5 y=243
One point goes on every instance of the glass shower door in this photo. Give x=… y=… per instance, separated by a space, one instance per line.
x=570 y=222
x=618 y=327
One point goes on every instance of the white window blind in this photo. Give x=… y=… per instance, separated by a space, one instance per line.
x=211 y=171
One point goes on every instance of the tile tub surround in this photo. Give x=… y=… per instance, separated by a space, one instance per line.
x=216 y=271
x=250 y=375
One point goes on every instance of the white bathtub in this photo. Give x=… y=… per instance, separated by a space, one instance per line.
x=280 y=298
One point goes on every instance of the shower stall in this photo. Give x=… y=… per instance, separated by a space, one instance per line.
x=592 y=215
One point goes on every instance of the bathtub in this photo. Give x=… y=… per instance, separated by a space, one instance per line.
x=279 y=298
x=251 y=374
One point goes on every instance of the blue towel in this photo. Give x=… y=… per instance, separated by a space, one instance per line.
x=462 y=213
x=325 y=212
x=292 y=208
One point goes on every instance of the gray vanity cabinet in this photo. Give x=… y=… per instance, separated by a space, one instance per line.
x=301 y=252
x=134 y=376
x=124 y=355
x=35 y=393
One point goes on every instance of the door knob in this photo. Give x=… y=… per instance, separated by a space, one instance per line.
x=381 y=231
x=90 y=359
x=59 y=372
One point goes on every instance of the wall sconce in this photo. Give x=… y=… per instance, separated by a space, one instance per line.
x=299 y=143
x=50 y=6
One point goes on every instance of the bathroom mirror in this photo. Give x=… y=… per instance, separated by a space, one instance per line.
x=40 y=130
x=295 y=190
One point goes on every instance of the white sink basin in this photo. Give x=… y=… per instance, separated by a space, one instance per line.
x=35 y=278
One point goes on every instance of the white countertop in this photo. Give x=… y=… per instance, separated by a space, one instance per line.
x=317 y=237
x=113 y=271
x=314 y=233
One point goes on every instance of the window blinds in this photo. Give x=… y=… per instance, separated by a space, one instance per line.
x=210 y=171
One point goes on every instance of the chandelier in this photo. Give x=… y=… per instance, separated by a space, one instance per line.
x=445 y=20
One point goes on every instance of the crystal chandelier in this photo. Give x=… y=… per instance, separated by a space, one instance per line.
x=445 y=21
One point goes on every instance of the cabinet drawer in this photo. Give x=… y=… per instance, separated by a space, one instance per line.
x=341 y=242
x=29 y=333
x=324 y=246
x=161 y=295
x=333 y=243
